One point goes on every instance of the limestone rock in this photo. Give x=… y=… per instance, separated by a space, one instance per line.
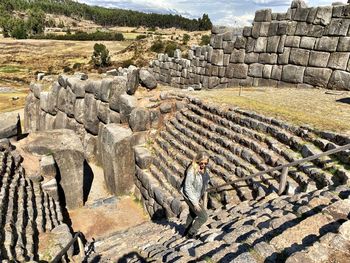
x=118 y=88
x=139 y=119
x=147 y=79
x=340 y=80
x=133 y=81
x=143 y=157
x=90 y=117
x=10 y=125
x=117 y=157
x=68 y=153
x=127 y=104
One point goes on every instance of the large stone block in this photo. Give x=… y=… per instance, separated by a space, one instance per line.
x=45 y=101
x=114 y=117
x=251 y=58
x=327 y=44
x=267 y=58
x=272 y=44
x=292 y=41
x=49 y=122
x=79 y=110
x=147 y=79
x=10 y=125
x=90 y=117
x=237 y=56
x=77 y=86
x=267 y=71
x=127 y=104
x=90 y=147
x=62 y=100
x=299 y=56
x=339 y=80
x=338 y=60
x=216 y=41
x=273 y=28
x=103 y=111
x=315 y=31
x=238 y=71
x=106 y=86
x=293 y=74
x=323 y=15
x=118 y=158
x=139 y=120
x=260 y=45
x=338 y=27
x=318 y=77
x=143 y=157
x=341 y=11
x=118 y=88
x=319 y=59
x=133 y=81
x=302 y=29
x=71 y=98
x=283 y=58
x=68 y=152
x=301 y=14
x=276 y=73
x=251 y=42
x=263 y=15
x=240 y=42
x=61 y=120
x=255 y=70
x=344 y=44
x=307 y=42
x=218 y=57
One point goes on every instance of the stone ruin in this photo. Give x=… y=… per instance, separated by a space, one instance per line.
x=304 y=47
x=144 y=145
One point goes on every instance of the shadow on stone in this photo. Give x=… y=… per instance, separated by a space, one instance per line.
x=131 y=256
x=87 y=182
x=344 y=100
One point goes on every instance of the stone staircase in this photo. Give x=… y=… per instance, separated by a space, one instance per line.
x=305 y=227
x=26 y=211
x=241 y=143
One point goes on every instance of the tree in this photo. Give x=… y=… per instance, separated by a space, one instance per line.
x=36 y=21
x=205 y=40
x=100 y=56
x=205 y=23
x=19 y=29
x=185 y=39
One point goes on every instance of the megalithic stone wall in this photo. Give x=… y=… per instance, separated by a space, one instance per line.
x=304 y=47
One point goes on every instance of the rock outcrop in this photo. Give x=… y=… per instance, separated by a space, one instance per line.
x=10 y=125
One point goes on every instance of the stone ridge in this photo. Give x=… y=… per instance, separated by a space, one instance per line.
x=240 y=143
x=26 y=210
x=306 y=227
x=304 y=47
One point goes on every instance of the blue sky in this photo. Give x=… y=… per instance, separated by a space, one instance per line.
x=221 y=12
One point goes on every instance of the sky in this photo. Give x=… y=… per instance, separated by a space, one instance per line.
x=221 y=12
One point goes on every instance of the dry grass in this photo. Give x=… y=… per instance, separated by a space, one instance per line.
x=299 y=106
x=8 y=104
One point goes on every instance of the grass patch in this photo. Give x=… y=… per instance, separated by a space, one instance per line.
x=312 y=107
x=9 y=69
x=7 y=104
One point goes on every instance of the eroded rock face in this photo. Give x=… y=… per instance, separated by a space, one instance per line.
x=9 y=125
x=67 y=151
x=117 y=156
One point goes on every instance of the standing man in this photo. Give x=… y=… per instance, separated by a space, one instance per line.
x=194 y=191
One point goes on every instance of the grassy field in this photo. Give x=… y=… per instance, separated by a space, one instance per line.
x=21 y=60
x=319 y=108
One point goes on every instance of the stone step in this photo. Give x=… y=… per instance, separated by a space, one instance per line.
x=234 y=165
x=248 y=156
x=221 y=174
x=157 y=173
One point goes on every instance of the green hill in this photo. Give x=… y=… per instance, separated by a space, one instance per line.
x=99 y=15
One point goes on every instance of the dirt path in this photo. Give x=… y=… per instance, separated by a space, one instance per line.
x=96 y=220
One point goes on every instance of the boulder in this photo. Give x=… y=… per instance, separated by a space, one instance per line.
x=147 y=79
x=133 y=81
x=339 y=80
x=67 y=150
x=118 y=88
x=31 y=113
x=90 y=117
x=127 y=104
x=117 y=158
x=77 y=86
x=143 y=157
x=10 y=125
x=139 y=119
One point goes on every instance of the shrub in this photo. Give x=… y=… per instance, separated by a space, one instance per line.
x=100 y=56
x=205 y=40
x=139 y=37
x=127 y=63
x=185 y=39
x=119 y=37
x=157 y=46
x=170 y=49
x=66 y=69
x=19 y=30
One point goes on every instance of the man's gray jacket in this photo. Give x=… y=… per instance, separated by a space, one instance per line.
x=194 y=185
